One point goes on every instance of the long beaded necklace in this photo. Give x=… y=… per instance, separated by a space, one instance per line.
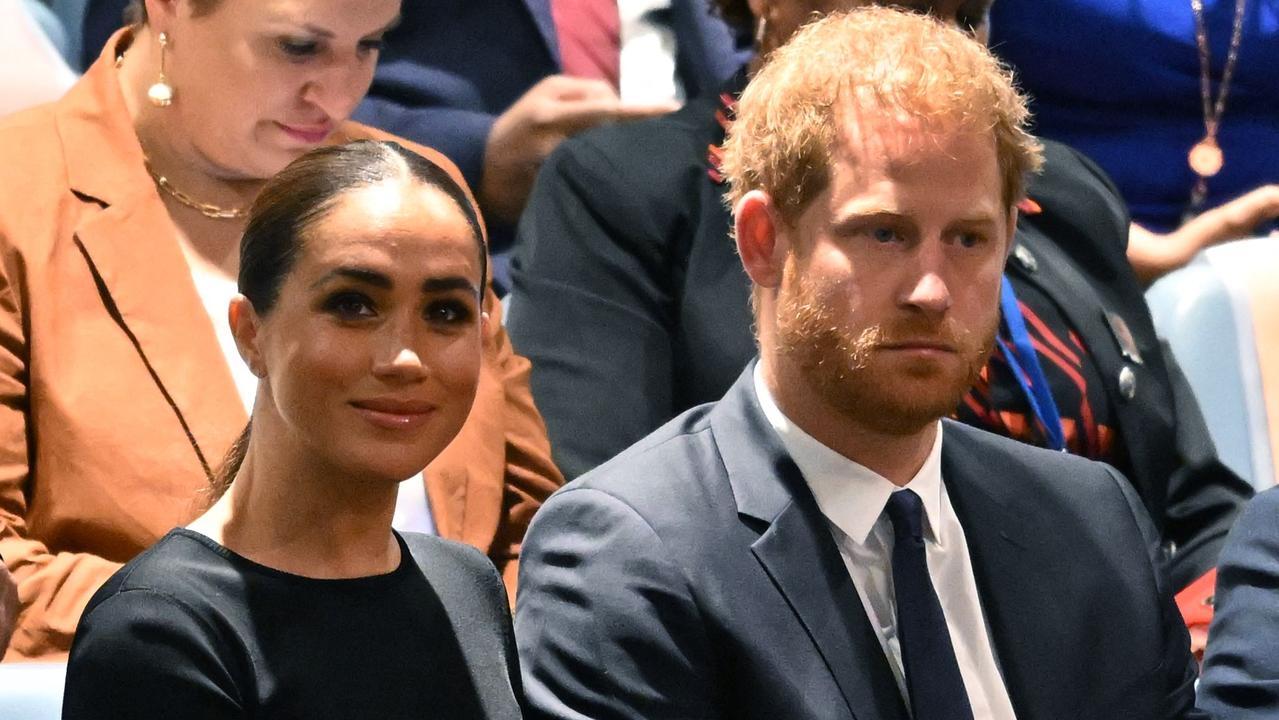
x=1206 y=158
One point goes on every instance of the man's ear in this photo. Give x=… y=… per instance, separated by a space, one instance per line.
x=762 y=240
x=245 y=322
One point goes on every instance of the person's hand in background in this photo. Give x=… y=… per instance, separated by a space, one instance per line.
x=1153 y=255
x=551 y=111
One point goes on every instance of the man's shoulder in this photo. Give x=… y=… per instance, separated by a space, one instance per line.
x=675 y=458
x=1061 y=484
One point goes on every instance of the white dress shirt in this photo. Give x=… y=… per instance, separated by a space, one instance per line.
x=412 y=507
x=853 y=498
x=646 y=66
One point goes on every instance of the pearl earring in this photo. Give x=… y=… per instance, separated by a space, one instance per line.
x=161 y=93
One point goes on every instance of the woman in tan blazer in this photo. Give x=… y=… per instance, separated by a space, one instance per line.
x=117 y=210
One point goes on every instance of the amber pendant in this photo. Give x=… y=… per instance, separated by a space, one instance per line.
x=1205 y=157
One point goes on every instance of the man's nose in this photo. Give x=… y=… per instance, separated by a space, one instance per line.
x=929 y=293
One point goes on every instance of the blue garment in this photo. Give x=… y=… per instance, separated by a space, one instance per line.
x=1242 y=660
x=452 y=66
x=1119 y=81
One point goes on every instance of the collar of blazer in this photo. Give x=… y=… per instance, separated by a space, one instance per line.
x=1017 y=567
x=126 y=237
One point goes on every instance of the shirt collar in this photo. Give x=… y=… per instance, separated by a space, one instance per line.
x=850 y=495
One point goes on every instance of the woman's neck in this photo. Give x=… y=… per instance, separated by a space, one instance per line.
x=292 y=515
x=171 y=148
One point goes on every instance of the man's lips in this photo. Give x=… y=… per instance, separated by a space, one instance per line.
x=920 y=346
x=313 y=133
x=394 y=413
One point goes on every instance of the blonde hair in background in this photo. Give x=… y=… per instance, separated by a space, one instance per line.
x=869 y=61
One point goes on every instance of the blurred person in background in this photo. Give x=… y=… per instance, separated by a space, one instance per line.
x=121 y=210
x=8 y=606
x=496 y=85
x=1240 y=678
x=1175 y=99
x=632 y=304
x=31 y=70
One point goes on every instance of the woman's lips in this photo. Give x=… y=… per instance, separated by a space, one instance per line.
x=394 y=414
x=309 y=134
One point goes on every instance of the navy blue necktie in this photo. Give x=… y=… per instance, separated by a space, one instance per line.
x=932 y=674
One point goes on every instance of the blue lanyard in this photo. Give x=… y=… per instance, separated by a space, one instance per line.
x=1023 y=360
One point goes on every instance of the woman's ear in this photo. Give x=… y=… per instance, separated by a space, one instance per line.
x=761 y=238
x=245 y=322
x=160 y=13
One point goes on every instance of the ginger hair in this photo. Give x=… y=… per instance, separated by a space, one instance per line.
x=870 y=61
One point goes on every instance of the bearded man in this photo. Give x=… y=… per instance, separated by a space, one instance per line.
x=820 y=543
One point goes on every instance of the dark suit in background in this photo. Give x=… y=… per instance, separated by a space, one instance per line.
x=453 y=66
x=632 y=304
x=1241 y=666
x=694 y=577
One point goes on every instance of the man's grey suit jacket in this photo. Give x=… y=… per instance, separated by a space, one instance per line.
x=693 y=576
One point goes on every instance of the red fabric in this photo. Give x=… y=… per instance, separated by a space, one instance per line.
x=1196 y=601
x=590 y=38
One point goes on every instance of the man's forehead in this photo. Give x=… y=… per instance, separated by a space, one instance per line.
x=894 y=136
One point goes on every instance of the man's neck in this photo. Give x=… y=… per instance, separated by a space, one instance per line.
x=895 y=456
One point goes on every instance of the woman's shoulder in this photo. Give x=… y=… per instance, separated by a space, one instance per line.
x=182 y=568
x=448 y=559
x=458 y=573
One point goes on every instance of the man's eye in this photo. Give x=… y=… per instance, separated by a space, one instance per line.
x=883 y=234
x=971 y=240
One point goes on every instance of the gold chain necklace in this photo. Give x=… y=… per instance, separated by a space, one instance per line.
x=208 y=210
x=1206 y=158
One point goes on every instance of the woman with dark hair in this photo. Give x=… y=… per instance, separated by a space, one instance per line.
x=361 y=279
x=121 y=208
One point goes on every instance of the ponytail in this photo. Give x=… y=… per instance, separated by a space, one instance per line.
x=230 y=466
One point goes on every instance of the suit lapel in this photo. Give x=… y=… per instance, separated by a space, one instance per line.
x=800 y=556
x=138 y=268
x=1019 y=576
x=540 y=12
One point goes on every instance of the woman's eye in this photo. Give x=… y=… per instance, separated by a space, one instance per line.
x=298 y=48
x=450 y=312
x=350 y=306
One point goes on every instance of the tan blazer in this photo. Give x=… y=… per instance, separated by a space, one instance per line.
x=115 y=396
